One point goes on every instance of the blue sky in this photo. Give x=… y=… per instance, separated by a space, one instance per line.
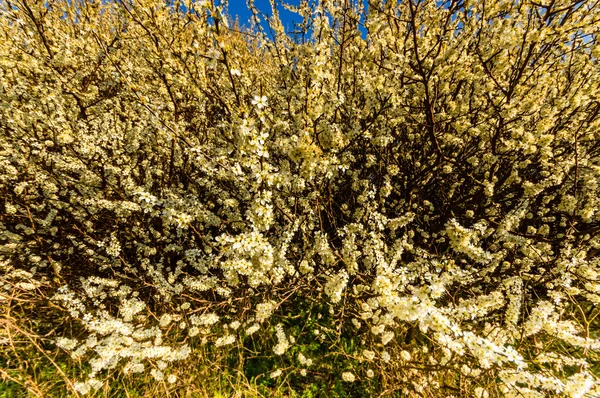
x=239 y=9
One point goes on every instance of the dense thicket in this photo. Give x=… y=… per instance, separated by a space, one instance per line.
x=402 y=198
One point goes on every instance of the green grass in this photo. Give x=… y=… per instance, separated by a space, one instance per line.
x=32 y=366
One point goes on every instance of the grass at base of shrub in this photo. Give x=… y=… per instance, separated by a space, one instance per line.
x=32 y=366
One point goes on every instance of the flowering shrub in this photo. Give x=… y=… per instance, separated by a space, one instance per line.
x=408 y=190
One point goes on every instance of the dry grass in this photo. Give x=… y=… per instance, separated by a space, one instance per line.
x=32 y=366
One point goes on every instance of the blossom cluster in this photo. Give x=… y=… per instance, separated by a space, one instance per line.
x=419 y=178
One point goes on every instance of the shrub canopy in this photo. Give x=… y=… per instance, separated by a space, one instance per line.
x=403 y=196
